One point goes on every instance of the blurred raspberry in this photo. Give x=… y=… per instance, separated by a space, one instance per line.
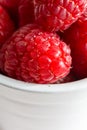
x=35 y=56
x=76 y=37
x=21 y=11
x=26 y=12
x=12 y=7
x=6 y=26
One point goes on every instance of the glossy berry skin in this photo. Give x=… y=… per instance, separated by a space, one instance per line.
x=76 y=37
x=56 y=15
x=6 y=26
x=32 y=55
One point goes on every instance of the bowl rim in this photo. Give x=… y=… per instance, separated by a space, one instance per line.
x=42 y=88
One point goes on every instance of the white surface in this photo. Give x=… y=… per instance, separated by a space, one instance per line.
x=25 y=106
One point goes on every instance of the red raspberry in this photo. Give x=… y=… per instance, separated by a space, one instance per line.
x=12 y=7
x=56 y=15
x=76 y=37
x=35 y=56
x=26 y=12
x=6 y=26
x=22 y=11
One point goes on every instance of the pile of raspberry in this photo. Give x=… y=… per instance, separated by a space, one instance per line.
x=43 y=41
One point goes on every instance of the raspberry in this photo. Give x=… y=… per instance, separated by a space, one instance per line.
x=6 y=26
x=26 y=12
x=76 y=37
x=12 y=7
x=33 y=55
x=21 y=11
x=58 y=15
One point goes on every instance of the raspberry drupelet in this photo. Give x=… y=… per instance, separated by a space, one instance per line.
x=33 y=55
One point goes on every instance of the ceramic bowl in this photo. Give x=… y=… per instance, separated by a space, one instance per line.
x=28 y=106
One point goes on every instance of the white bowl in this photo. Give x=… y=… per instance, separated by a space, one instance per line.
x=27 y=106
